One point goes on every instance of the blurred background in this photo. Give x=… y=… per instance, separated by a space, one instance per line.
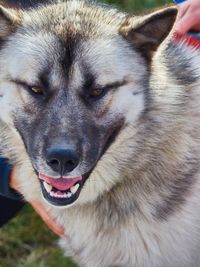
x=137 y=5
x=26 y=241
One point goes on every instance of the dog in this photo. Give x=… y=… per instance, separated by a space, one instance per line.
x=100 y=113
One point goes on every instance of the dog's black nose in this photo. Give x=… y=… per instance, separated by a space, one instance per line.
x=62 y=160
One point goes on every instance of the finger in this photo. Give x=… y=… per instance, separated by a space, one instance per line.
x=182 y=9
x=41 y=210
x=185 y=24
x=47 y=219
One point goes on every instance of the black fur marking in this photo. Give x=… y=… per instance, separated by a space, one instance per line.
x=44 y=80
x=178 y=192
x=182 y=71
x=68 y=49
x=89 y=80
x=1 y=44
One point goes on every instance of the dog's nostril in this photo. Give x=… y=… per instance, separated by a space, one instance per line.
x=53 y=162
x=62 y=160
x=70 y=163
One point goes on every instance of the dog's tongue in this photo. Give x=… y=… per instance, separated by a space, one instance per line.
x=62 y=184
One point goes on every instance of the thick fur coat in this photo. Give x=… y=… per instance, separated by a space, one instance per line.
x=126 y=96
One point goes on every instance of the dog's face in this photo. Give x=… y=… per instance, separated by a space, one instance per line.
x=72 y=77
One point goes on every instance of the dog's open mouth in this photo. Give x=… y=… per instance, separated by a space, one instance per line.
x=64 y=191
x=61 y=191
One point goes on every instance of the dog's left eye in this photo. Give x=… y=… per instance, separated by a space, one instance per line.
x=97 y=92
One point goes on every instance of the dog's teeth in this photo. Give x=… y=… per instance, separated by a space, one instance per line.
x=48 y=187
x=69 y=194
x=75 y=188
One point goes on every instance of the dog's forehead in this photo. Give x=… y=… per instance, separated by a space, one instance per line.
x=28 y=57
x=72 y=18
x=107 y=58
x=70 y=35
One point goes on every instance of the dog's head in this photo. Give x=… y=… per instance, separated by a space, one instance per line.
x=72 y=77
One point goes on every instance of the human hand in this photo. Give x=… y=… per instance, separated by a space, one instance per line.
x=188 y=18
x=38 y=207
x=43 y=213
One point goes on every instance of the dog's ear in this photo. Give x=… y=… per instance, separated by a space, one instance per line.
x=146 y=33
x=9 y=21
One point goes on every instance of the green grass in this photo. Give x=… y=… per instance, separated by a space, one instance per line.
x=26 y=241
x=137 y=5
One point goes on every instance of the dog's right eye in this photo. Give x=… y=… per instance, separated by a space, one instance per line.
x=36 y=90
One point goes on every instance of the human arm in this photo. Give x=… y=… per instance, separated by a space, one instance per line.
x=11 y=201
x=38 y=207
